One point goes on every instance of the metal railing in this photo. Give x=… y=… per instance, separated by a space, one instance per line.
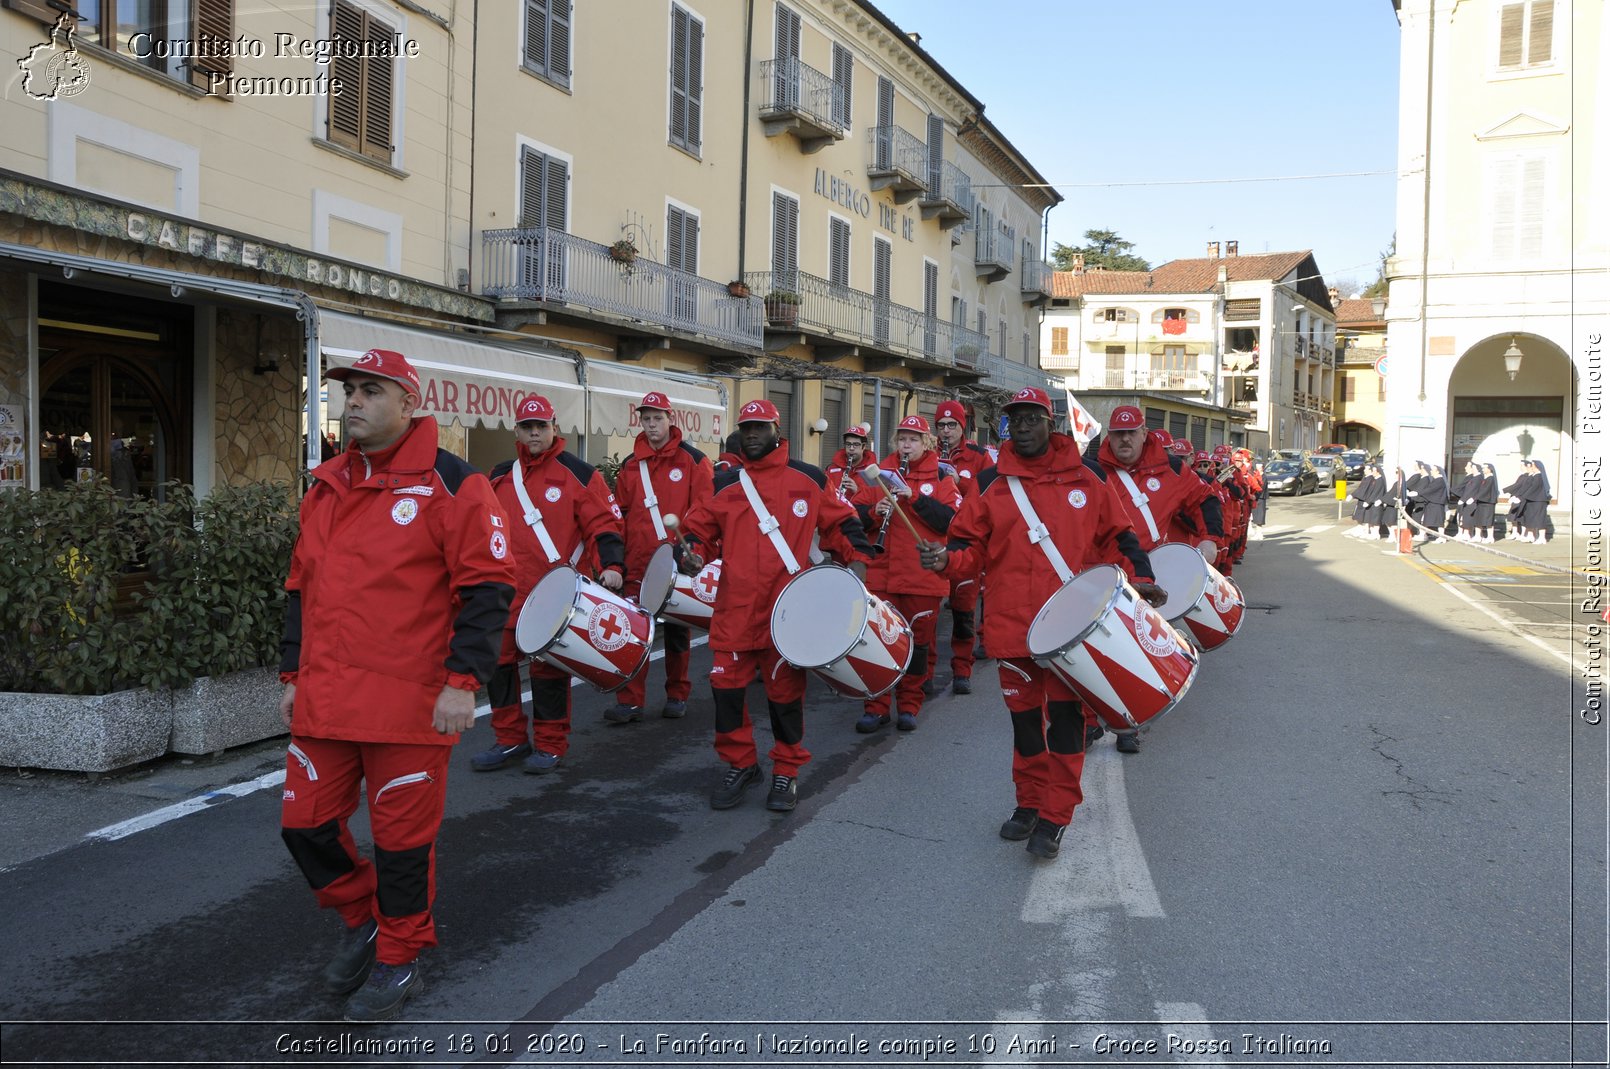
x=1302 y=346
x=543 y=264
x=970 y=346
x=996 y=247
x=954 y=186
x=828 y=309
x=1155 y=379
x=1011 y=375
x=790 y=87
x=1037 y=277
x=897 y=151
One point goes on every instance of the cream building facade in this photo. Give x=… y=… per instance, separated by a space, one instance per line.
x=1360 y=375
x=1502 y=237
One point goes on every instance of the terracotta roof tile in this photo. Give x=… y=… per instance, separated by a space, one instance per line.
x=1202 y=274
x=1356 y=310
x=1077 y=284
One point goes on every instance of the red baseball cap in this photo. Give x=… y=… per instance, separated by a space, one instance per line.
x=1221 y=450
x=1030 y=395
x=535 y=406
x=1181 y=448
x=1162 y=437
x=655 y=400
x=914 y=423
x=1203 y=458
x=759 y=412
x=862 y=431
x=1126 y=418
x=951 y=410
x=382 y=364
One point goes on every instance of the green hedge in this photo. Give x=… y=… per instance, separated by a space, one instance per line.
x=100 y=593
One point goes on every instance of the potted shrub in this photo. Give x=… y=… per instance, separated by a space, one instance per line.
x=782 y=308
x=968 y=353
x=623 y=251
x=738 y=288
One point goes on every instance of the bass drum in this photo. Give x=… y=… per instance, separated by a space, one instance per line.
x=585 y=629
x=1206 y=601
x=827 y=622
x=674 y=598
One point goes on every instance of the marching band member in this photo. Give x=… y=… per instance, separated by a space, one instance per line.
x=665 y=474
x=994 y=536
x=1156 y=495
x=968 y=459
x=851 y=458
x=759 y=520
x=929 y=500
x=399 y=586
x=556 y=503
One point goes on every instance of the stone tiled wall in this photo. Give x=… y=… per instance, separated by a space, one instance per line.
x=258 y=435
x=13 y=338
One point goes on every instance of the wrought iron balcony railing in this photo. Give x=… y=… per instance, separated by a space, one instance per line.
x=1155 y=379
x=898 y=162
x=798 y=99
x=995 y=253
x=1011 y=375
x=1036 y=281
x=543 y=264
x=950 y=199
x=828 y=310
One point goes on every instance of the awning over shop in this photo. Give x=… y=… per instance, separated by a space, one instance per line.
x=464 y=378
x=698 y=406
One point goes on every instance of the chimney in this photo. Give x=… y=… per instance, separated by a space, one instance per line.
x=1078 y=263
x=1224 y=276
x=1335 y=296
x=1232 y=248
x=916 y=38
x=1213 y=250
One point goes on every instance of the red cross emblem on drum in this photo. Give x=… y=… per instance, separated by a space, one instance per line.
x=1153 y=632
x=608 y=627
x=1223 y=596
x=706 y=584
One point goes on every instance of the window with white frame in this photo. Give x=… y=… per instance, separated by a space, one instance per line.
x=187 y=41
x=1525 y=35
x=547 y=46
x=687 y=79
x=1516 y=206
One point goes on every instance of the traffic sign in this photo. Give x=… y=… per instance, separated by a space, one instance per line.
x=1380 y=366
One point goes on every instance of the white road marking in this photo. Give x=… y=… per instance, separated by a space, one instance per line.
x=1187 y=1020
x=1506 y=624
x=1318 y=527
x=156 y=817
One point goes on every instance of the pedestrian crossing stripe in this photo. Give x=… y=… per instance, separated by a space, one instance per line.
x=1317 y=528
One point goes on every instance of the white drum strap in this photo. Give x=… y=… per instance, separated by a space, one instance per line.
x=768 y=523
x=533 y=515
x=1038 y=535
x=1140 y=500
x=651 y=502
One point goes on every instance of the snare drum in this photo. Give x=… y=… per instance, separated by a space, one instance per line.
x=585 y=629
x=1208 y=602
x=1117 y=652
x=688 y=600
x=827 y=622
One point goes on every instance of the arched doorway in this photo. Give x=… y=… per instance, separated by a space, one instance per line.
x=1500 y=421
x=1356 y=434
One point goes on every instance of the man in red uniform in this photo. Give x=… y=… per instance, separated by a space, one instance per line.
x=556 y=502
x=929 y=500
x=849 y=460
x=399 y=586
x=969 y=459
x=665 y=474
x=759 y=514
x=993 y=535
x=1156 y=494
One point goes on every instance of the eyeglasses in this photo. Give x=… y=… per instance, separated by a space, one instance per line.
x=1025 y=420
x=947 y=423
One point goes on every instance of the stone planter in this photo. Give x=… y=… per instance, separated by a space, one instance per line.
x=84 y=733
x=217 y=712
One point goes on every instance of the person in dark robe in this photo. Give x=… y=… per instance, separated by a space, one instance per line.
x=1486 y=495
x=1413 y=504
x=1535 y=506
x=1516 y=490
x=1464 y=497
x=1391 y=498
x=1434 y=495
x=1358 y=493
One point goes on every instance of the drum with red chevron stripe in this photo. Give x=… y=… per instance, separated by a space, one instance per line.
x=827 y=622
x=689 y=600
x=1205 y=600
x=1125 y=661
x=584 y=628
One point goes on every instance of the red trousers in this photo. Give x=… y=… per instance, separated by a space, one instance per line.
x=963 y=602
x=731 y=672
x=550 y=703
x=1048 y=738
x=406 y=788
x=922 y=613
x=677 y=643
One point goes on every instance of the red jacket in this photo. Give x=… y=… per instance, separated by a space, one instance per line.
x=681 y=476
x=1175 y=499
x=970 y=461
x=753 y=574
x=991 y=536
x=400 y=585
x=933 y=505
x=575 y=503
x=839 y=468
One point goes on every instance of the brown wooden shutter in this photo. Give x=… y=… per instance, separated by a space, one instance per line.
x=1511 y=24
x=34 y=8
x=214 y=30
x=377 y=92
x=1540 y=36
x=346 y=107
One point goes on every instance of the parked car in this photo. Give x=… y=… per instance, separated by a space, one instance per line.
x=1355 y=459
x=1290 y=477
x=1328 y=467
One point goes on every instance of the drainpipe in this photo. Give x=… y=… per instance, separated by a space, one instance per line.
x=743 y=154
x=1425 y=199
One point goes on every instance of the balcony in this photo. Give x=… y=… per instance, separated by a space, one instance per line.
x=551 y=266
x=800 y=100
x=1013 y=376
x=970 y=348
x=1036 y=281
x=899 y=162
x=951 y=200
x=994 y=253
x=831 y=313
x=1156 y=379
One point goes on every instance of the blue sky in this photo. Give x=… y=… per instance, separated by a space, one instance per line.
x=1164 y=90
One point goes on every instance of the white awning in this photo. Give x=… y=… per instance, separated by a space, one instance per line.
x=464 y=378
x=698 y=406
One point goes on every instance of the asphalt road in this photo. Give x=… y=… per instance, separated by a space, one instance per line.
x=1373 y=833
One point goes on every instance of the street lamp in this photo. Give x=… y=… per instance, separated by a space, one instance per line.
x=1512 y=359
x=1378 y=306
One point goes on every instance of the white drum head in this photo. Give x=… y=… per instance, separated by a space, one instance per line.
x=1073 y=612
x=546 y=610
x=1180 y=570
x=659 y=579
x=819 y=616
